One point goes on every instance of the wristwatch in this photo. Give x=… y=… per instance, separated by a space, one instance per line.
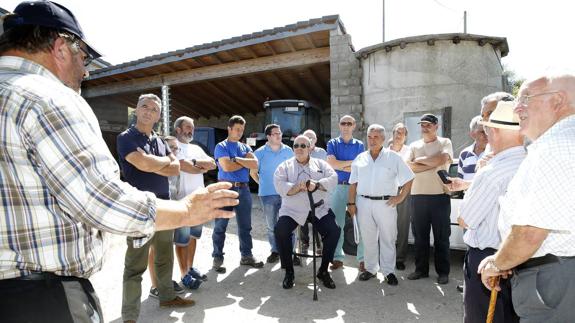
x=492 y=263
x=351 y=203
x=194 y=162
x=233 y=159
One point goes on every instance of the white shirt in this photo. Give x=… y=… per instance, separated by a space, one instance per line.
x=480 y=206
x=189 y=182
x=379 y=177
x=541 y=193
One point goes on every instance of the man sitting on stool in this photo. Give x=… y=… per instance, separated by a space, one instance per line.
x=290 y=180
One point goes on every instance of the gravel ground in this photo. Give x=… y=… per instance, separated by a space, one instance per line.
x=255 y=295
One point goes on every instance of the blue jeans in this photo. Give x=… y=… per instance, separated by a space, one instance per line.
x=183 y=235
x=271 y=205
x=244 y=220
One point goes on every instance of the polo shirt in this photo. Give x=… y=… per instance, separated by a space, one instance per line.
x=128 y=142
x=318 y=153
x=467 y=163
x=268 y=161
x=344 y=151
x=232 y=149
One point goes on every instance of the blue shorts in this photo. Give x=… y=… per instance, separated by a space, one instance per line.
x=182 y=235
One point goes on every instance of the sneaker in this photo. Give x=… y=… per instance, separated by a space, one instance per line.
x=195 y=273
x=177 y=288
x=391 y=279
x=217 y=265
x=273 y=258
x=190 y=282
x=251 y=261
x=154 y=292
x=178 y=302
x=296 y=261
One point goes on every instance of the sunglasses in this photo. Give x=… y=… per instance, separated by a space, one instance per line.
x=302 y=146
x=348 y=124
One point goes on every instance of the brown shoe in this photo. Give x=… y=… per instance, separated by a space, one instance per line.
x=361 y=267
x=336 y=264
x=178 y=302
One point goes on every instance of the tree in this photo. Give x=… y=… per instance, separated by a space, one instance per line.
x=513 y=81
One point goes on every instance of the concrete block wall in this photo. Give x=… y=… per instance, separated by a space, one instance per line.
x=346 y=89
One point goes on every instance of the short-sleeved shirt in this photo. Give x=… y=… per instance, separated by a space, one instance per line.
x=428 y=182
x=232 y=149
x=379 y=177
x=318 y=153
x=268 y=161
x=540 y=194
x=189 y=182
x=467 y=163
x=129 y=141
x=344 y=151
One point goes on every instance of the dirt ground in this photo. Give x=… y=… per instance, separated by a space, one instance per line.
x=255 y=295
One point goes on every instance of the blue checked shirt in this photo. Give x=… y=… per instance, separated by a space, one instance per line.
x=59 y=184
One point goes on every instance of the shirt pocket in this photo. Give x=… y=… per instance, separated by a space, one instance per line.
x=384 y=175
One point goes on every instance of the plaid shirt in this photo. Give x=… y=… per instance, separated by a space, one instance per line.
x=59 y=184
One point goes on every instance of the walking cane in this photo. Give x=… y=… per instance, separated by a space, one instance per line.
x=312 y=206
x=492 y=300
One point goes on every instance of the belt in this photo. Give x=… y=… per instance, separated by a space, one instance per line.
x=539 y=261
x=377 y=198
x=46 y=276
x=237 y=184
x=342 y=183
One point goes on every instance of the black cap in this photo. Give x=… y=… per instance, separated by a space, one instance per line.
x=47 y=14
x=428 y=117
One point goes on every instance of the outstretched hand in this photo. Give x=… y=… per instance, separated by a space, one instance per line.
x=204 y=204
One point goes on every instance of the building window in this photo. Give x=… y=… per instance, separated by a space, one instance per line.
x=411 y=120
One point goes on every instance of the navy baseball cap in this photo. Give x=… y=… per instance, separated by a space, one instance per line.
x=47 y=14
x=428 y=117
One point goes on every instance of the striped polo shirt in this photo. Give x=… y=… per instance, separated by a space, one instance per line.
x=467 y=162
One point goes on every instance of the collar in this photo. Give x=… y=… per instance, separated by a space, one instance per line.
x=557 y=128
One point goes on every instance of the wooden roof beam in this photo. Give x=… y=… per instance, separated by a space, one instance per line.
x=244 y=100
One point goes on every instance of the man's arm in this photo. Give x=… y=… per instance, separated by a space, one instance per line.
x=418 y=168
x=173 y=169
x=434 y=161
x=351 y=197
x=255 y=175
x=148 y=162
x=342 y=165
x=249 y=161
x=228 y=165
x=201 y=166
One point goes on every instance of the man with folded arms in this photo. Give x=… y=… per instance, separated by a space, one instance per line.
x=234 y=160
x=536 y=219
x=293 y=179
x=376 y=176
x=479 y=213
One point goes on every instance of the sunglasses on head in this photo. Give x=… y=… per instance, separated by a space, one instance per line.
x=349 y=124
x=302 y=146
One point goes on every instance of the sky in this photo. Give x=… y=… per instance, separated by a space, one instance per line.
x=538 y=32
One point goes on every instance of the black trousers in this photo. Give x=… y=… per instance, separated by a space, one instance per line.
x=476 y=296
x=326 y=227
x=66 y=299
x=431 y=212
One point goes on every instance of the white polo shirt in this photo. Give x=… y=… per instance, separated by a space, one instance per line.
x=189 y=182
x=379 y=177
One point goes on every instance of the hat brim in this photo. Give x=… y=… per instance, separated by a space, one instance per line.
x=503 y=125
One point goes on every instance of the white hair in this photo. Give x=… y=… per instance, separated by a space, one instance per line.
x=376 y=127
x=474 y=123
x=150 y=96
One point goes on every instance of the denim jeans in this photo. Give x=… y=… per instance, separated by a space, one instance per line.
x=271 y=205
x=244 y=220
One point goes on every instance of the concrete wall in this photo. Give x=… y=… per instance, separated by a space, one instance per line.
x=345 y=74
x=421 y=78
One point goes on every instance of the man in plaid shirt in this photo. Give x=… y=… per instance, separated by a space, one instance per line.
x=59 y=185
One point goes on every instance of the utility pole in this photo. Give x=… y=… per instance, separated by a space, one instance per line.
x=465 y=22
x=383 y=22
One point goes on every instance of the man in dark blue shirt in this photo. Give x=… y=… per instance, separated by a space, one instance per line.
x=234 y=160
x=146 y=161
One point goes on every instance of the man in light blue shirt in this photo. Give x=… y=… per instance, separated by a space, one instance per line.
x=269 y=156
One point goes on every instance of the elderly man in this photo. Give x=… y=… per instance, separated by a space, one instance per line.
x=61 y=184
x=269 y=156
x=479 y=212
x=431 y=205
x=376 y=176
x=341 y=152
x=194 y=163
x=293 y=179
x=398 y=145
x=469 y=156
x=536 y=218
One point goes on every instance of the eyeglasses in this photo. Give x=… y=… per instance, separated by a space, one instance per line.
x=88 y=58
x=302 y=146
x=346 y=124
x=524 y=100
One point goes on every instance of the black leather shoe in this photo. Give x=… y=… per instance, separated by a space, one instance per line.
x=400 y=265
x=417 y=275
x=288 y=281
x=326 y=279
x=391 y=279
x=366 y=275
x=443 y=279
x=296 y=261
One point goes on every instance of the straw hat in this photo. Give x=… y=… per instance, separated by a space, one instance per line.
x=503 y=117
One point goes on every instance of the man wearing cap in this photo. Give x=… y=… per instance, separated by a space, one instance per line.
x=431 y=204
x=376 y=176
x=479 y=213
x=61 y=186
x=341 y=152
x=536 y=214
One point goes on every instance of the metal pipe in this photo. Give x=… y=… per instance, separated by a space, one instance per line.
x=166 y=109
